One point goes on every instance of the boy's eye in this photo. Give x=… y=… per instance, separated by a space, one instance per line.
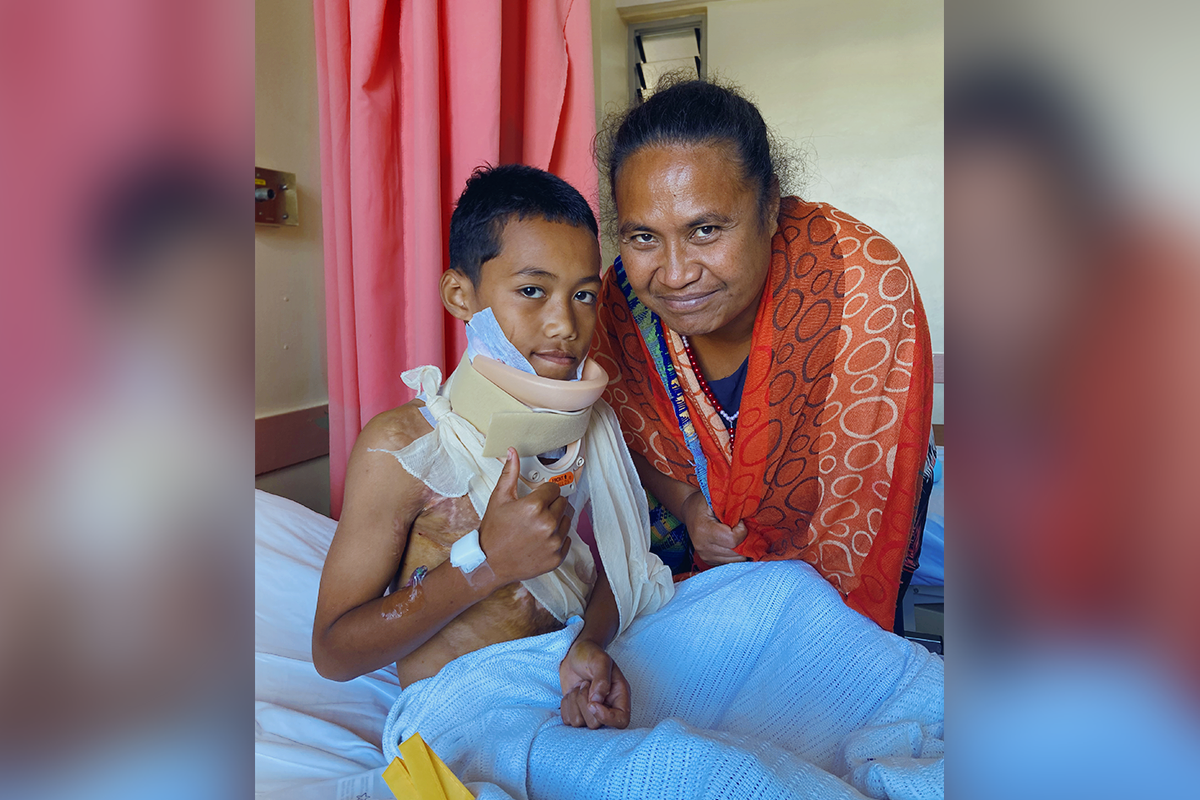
x=532 y=292
x=586 y=297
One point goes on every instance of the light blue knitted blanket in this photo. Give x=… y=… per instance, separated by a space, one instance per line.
x=754 y=681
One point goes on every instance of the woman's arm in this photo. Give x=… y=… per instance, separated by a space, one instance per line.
x=713 y=540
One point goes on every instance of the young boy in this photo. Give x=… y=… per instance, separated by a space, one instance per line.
x=398 y=585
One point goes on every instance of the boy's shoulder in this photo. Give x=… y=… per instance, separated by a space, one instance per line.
x=396 y=428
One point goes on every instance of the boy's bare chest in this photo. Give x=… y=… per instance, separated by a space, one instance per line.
x=441 y=523
x=511 y=612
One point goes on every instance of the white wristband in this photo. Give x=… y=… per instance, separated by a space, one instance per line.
x=466 y=554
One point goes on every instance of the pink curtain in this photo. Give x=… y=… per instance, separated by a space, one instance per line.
x=414 y=94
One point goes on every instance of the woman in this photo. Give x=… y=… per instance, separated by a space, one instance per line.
x=771 y=356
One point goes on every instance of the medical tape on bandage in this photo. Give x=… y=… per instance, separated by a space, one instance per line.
x=468 y=557
x=481 y=576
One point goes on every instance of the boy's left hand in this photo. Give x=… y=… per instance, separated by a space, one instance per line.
x=595 y=692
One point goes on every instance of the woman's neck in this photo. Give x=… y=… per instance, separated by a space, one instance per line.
x=722 y=351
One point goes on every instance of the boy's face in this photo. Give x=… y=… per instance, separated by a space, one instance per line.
x=543 y=289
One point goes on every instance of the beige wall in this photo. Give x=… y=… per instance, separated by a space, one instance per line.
x=290 y=356
x=857 y=85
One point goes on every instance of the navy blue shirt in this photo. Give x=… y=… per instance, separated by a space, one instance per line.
x=728 y=390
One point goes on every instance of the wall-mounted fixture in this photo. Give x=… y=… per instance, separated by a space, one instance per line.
x=275 y=197
x=678 y=45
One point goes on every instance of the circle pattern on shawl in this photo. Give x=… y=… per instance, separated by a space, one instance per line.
x=830 y=410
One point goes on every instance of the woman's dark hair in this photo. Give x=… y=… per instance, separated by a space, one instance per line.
x=696 y=112
x=493 y=196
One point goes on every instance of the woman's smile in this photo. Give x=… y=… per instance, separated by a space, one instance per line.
x=687 y=302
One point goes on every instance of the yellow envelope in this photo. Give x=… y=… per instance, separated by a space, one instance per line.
x=421 y=775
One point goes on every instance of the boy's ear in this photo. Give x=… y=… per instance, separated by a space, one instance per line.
x=458 y=294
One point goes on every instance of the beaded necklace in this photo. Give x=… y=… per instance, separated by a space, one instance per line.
x=730 y=420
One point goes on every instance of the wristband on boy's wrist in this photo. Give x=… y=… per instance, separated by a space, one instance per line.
x=468 y=557
x=466 y=554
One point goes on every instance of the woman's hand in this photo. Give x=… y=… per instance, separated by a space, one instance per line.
x=595 y=692
x=714 y=541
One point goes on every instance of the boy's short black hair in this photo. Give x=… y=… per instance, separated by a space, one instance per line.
x=493 y=196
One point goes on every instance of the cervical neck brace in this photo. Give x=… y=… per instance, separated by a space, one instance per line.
x=528 y=413
x=546 y=394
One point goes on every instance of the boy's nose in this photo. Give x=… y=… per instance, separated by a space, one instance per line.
x=559 y=322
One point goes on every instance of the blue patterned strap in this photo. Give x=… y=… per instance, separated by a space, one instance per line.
x=650 y=327
x=669 y=539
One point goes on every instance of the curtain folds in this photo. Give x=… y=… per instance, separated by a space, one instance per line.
x=414 y=95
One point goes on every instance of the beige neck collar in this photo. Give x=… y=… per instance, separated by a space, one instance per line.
x=512 y=408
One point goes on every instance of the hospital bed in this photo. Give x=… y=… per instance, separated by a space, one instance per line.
x=313 y=738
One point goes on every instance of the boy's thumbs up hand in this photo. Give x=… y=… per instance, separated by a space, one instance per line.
x=524 y=537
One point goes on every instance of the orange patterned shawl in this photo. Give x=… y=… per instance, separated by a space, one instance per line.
x=834 y=421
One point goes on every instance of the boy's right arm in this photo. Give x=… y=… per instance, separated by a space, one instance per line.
x=357 y=629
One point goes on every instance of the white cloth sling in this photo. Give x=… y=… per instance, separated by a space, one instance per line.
x=450 y=461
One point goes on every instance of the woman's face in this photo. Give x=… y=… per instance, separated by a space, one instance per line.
x=692 y=239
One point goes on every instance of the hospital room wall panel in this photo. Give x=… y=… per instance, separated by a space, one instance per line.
x=307 y=483
x=291 y=372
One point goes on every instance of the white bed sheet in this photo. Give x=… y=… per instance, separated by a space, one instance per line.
x=310 y=734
